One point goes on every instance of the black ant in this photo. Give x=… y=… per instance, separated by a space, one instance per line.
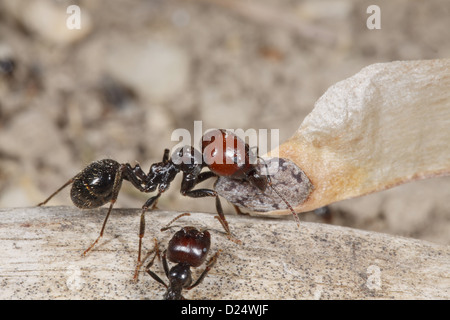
x=187 y=248
x=100 y=183
x=223 y=153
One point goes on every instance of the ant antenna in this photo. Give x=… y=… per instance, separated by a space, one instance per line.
x=167 y=227
x=269 y=181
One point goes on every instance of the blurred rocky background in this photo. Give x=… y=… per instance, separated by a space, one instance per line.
x=137 y=70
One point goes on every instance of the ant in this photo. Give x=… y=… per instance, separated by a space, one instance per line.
x=224 y=153
x=187 y=248
x=227 y=155
x=100 y=183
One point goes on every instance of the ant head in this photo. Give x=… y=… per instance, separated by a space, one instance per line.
x=188 y=158
x=189 y=246
x=256 y=178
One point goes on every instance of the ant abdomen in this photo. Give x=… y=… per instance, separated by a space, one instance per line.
x=93 y=187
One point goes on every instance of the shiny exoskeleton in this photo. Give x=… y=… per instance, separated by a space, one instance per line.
x=188 y=249
x=187 y=160
x=227 y=155
x=100 y=183
x=223 y=153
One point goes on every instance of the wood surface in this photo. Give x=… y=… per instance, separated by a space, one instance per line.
x=42 y=258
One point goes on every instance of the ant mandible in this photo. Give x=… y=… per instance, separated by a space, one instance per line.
x=187 y=248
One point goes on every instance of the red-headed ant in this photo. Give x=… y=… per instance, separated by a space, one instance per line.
x=224 y=153
x=187 y=248
x=227 y=155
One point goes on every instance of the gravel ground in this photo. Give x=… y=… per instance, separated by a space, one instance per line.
x=137 y=70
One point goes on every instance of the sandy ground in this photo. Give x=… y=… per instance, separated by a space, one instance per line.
x=137 y=70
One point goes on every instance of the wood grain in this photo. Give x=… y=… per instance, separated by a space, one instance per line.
x=41 y=259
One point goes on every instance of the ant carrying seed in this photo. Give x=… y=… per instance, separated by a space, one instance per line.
x=188 y=249
x=223 y=153
x=229 y=156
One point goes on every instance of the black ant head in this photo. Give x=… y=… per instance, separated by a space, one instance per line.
x=187 y=158
x=179 y=277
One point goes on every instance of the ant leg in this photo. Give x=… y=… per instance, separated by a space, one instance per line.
x=186 y=190
x=165 y=265
x=204 y=176
x=134 y=175
x=221 y=216
x=124 y=172
x=56 y=192
x=223 y=221
x=189 y=184
x=150 y=202
x=155 y=205
x=139 y=265
x=239 y=212
x=200 y=193
x=151 y=273
x=156 y=277
x=209 y=265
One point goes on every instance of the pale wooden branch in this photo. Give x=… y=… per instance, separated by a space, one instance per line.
x=41 y=259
